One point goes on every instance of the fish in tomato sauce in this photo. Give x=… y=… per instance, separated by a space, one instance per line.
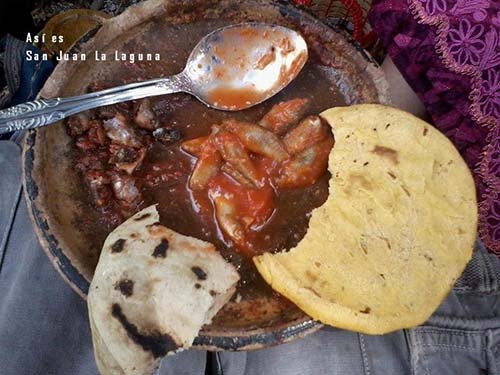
x=256 y=189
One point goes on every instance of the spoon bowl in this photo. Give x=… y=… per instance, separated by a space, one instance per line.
x=239 y=66
x=232 y=68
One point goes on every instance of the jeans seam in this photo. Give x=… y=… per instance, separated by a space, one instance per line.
x=471 y=291
x=492 y=352
x=489 y=275
x=364 y=356
x=451 y=346
x=416 y=359
x=450 y=331
x=8 y=229
x=462 y=323
x=411 y=352
x=484 y=286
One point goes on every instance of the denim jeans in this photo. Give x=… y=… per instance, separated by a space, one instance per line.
x=44 y=327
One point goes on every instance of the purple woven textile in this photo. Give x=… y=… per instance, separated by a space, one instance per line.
x=449 y=53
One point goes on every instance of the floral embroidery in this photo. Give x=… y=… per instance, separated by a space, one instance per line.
x=489 y=94
x=434 y=6
x=465 y=42
x=496 y=20
x=490 y=165
x=475 y=7
x=491 y=53
x=490 y=218
x=465 y=53
x=467 y=39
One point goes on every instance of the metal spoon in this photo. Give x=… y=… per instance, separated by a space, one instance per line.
x=232 y=68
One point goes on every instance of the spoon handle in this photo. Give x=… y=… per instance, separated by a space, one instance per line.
x=41 y=112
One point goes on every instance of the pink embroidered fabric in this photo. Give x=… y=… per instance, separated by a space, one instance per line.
x=449 y=53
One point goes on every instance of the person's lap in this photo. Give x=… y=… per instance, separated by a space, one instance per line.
x=44 y=323
x=44 y=327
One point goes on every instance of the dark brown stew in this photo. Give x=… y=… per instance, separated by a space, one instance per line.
x=135 y=154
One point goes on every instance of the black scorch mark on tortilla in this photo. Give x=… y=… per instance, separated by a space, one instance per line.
x=366 y=310
x=125 y=286
x=157 y=343
x=142 y=217
x=200 y=274
x=118 y=246
x=160 y=251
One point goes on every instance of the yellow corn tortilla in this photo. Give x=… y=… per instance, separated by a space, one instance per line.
x=395 y=233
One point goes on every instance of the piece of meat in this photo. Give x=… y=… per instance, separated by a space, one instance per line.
x=78 y=124
x=216 y=128
x=131 y=166
x=310 y=131
x=257 y=139
x=144 y=116
x=121 y=154
x=194 y=146
x=93 y=138
x=306 y=167
x=97 y=135
x=234 y=153
x=207 y=166
x=90 y=162
x=125 y=189
x=102 y=195
x=109 y=111
x=237 y=176
x=100 y=189
x=85 y=143
x=118 y=130
x=225 y=213
x=167 y=136
x=106 y=112
x=127 y=159
x=283 y=115
x=98 y=178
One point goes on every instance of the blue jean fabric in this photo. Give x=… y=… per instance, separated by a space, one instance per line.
x=44 y=327
x=20 y=79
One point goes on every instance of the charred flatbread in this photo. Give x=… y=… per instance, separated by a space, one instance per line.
x=395 y=233
x=152 y=292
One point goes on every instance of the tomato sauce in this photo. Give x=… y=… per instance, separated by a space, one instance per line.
x=280 y=217
x=254 y=207
x=233 y=97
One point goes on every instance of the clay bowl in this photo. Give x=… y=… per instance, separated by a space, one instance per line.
x=338 y=73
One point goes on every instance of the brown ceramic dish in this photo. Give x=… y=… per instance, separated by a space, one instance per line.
x=338 y=73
